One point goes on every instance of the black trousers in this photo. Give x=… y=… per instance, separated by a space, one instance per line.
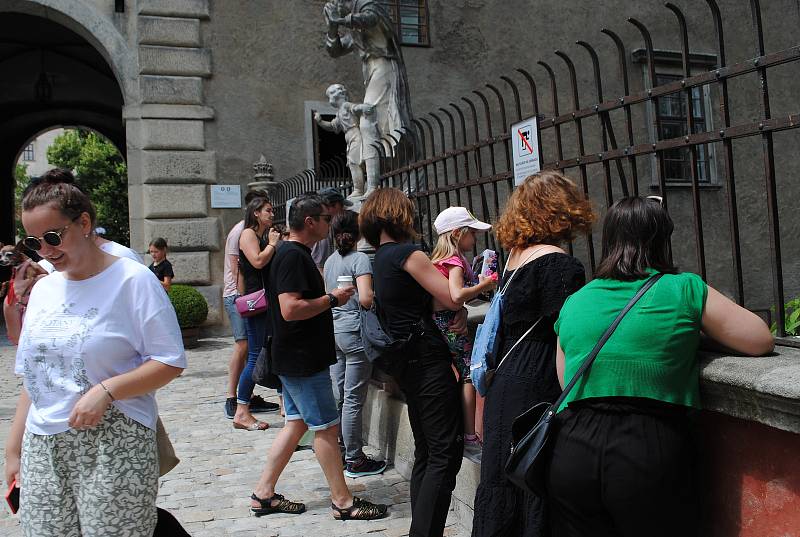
x=614 y=473
x=434 y=410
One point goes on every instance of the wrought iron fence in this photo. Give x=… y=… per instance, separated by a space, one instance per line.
x=458 y=155
x=333 y=172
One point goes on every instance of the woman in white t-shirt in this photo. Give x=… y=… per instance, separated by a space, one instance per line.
x=99 y=337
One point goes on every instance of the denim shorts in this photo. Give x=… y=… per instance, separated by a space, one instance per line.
x=310 y=399
x=237 y=322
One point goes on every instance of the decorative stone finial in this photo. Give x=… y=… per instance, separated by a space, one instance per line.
x=263 y=170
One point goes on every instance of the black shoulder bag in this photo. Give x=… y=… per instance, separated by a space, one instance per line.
x=530 y=431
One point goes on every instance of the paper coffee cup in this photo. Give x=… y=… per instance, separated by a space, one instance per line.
x=344 y=281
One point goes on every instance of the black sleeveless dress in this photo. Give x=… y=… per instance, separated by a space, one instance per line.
x=528 y=376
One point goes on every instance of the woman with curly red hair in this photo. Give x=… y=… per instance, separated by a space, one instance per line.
x=543 y=213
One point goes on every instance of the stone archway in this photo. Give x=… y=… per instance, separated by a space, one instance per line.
x=52 y=76
x=147 y=65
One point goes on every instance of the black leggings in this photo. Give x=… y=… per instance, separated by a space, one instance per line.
x=621 y=474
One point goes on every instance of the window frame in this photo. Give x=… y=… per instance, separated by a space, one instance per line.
x=393 y=8
x=29 y=151
x=669 y=64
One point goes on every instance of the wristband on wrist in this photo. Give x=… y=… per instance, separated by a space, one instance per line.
x=108 y=392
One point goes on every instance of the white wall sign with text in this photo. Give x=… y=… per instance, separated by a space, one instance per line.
x=226 y=197
x=525 y=149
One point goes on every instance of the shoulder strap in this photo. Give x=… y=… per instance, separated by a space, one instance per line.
x=517 y=342
x=607 y=334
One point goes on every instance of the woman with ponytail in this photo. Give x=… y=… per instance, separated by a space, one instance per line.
x=351 y=373
x=99 y=338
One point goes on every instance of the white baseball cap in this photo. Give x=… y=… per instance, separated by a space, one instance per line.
x=456 y=218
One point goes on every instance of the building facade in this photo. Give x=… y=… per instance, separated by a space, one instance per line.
x=193 y=91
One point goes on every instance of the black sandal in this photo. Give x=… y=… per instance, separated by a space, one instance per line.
x=364 y=510
x=283 y=506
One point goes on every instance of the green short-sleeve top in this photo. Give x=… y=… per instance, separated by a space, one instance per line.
x=652 y=353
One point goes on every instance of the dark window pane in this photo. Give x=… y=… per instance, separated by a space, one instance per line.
x=411 y=20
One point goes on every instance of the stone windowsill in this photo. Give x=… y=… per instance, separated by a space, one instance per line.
x=764 y=389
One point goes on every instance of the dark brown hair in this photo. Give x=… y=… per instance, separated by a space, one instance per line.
x=345 y=231
x=389 y=210
x=636 y=233
x=255 y=203
x=57 y=187
x=548 y=208
x=159 y=243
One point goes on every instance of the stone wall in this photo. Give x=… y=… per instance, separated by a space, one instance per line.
x=170 y=162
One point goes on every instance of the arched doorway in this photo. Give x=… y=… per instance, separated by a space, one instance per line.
x=99 y=166
x=49 y=75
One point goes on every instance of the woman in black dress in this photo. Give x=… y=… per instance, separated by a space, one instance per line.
x=547 y=210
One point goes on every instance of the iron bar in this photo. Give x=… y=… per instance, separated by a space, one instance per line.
x=687 y=72
x=769 y=176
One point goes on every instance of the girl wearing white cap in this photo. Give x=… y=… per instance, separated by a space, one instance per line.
x=456 y=227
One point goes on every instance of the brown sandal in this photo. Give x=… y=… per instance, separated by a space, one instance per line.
x=255 y=426
x=364 y=510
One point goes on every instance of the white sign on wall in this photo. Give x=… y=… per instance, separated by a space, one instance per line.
x=525 y=149
x=226 y=197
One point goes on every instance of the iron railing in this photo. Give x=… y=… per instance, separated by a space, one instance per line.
x=460 y=154
x=333 y=172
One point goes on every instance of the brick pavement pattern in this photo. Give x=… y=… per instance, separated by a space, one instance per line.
x=209 y=490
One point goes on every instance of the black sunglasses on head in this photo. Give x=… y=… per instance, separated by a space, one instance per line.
x=52 y=238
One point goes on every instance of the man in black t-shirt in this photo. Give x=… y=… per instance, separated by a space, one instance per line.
x=303 y=350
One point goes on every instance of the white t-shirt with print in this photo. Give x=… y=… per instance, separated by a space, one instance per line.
x=110 y=247
x=79 y=333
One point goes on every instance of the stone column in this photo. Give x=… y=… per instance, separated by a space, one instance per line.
x=170 y=167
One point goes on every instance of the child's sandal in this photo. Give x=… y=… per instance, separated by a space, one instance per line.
x=360 y=510
x=283 y=505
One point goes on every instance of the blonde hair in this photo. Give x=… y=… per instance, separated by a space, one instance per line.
x=447 y=244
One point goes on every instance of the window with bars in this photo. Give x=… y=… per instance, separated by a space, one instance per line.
x=27 y=153
x=411 y=20
x=672 y=111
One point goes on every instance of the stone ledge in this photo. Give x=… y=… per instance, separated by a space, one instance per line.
x=179 y=167
x=169 y=31
x=161 y=89
x=174 y=8
x=172 y=134
x=186 y=234
x=190 y=268
x=764 y=389
x=167 y=111
x=175 y=201
x=158 y=60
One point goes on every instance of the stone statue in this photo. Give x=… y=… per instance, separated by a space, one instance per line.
x=364 y=25
x=358 y=123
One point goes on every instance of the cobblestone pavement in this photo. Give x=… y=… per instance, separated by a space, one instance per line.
x=208 y=490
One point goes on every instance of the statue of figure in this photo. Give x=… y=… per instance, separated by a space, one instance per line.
x=366 y=26
x=357 y=122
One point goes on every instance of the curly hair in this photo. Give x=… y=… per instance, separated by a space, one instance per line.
x=548 y=208
x=389 y=210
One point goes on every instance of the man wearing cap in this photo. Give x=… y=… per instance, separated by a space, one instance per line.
x=336 y=203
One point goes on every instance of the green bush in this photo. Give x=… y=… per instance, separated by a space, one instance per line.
x=190 y=306
x=792 y=326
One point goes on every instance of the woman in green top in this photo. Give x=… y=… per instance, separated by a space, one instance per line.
x=622 y=458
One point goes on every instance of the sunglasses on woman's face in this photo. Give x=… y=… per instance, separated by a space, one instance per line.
x=52 y=238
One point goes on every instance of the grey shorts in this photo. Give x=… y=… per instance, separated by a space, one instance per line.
x=237 y=322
